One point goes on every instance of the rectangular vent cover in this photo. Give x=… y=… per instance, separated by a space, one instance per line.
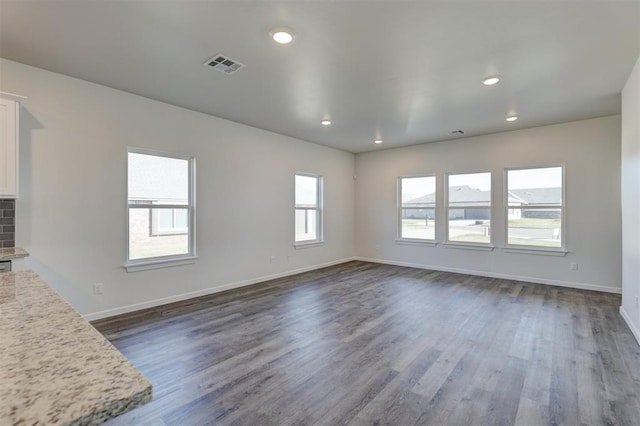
x=224 y=64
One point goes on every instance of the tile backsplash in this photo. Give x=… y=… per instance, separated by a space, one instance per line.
x=7 y=223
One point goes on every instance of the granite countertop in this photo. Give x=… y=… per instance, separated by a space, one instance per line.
x=55 y=368
x=9 y=253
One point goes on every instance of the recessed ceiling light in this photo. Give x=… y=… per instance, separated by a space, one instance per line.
x=282 y=35
x=512 y=118
x=378 y=141
x=326 y=122
x=490 y=81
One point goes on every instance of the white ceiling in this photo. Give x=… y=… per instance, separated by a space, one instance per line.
x=406 y=71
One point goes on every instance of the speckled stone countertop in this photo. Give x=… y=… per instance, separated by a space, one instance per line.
x=55 y=368
x=9 y=253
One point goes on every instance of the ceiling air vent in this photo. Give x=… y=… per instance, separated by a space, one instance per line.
x=456 y=132
x=224 y=64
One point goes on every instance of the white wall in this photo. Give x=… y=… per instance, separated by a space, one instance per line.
x=589 y=149
x=631 y=201
x=71 y=212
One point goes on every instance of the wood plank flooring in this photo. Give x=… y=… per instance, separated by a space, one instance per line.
x=365 y=344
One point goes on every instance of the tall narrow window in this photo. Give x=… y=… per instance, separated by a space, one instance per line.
x=161 y=206
x=535 y=207
x=417 y=208
x=469 y=208
x=308 y=208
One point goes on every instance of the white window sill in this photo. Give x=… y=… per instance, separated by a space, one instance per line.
x=536 y=251
x=469 y=246
x=145 y=265
x=304 y=245
x=416 y=242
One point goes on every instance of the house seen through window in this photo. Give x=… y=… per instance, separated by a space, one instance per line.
x=160 y=205
x=469 y=207
x=417 y=207
x=535 y=204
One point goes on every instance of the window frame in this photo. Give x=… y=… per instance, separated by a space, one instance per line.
x=533 y=248
x=319 y=209
x=133 y=265
x=453 y=243
x=399 y=237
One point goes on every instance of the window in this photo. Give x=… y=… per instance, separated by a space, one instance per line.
x=469 y=208
x=160 y=206
x=169 y=221
x=308 y=209
x=535 y=206
x=417 y=207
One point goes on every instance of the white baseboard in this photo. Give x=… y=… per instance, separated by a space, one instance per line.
x=190 y=295
x=630 y=323
x=206 y=291
x=581 y=286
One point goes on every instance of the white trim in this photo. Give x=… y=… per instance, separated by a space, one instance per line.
x=531 y=250
x=580 y=286
x=632 y=327
x=469 y=246
x=13 y=96
x=206 y=291
x=156 y=263
x=158 y=153
x=416 y=242
x=12 y=125
x=311 y=243
x=184 y=296
x=158 y=206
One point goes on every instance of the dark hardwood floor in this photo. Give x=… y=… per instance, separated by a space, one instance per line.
x=363 y=344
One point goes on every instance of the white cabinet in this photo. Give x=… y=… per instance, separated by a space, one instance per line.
x=9 y=110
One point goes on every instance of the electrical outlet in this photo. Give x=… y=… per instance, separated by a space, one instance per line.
x=272 y=259
x=289 y=256
x=574 y=266
x=98 y=288
x=637 y=306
